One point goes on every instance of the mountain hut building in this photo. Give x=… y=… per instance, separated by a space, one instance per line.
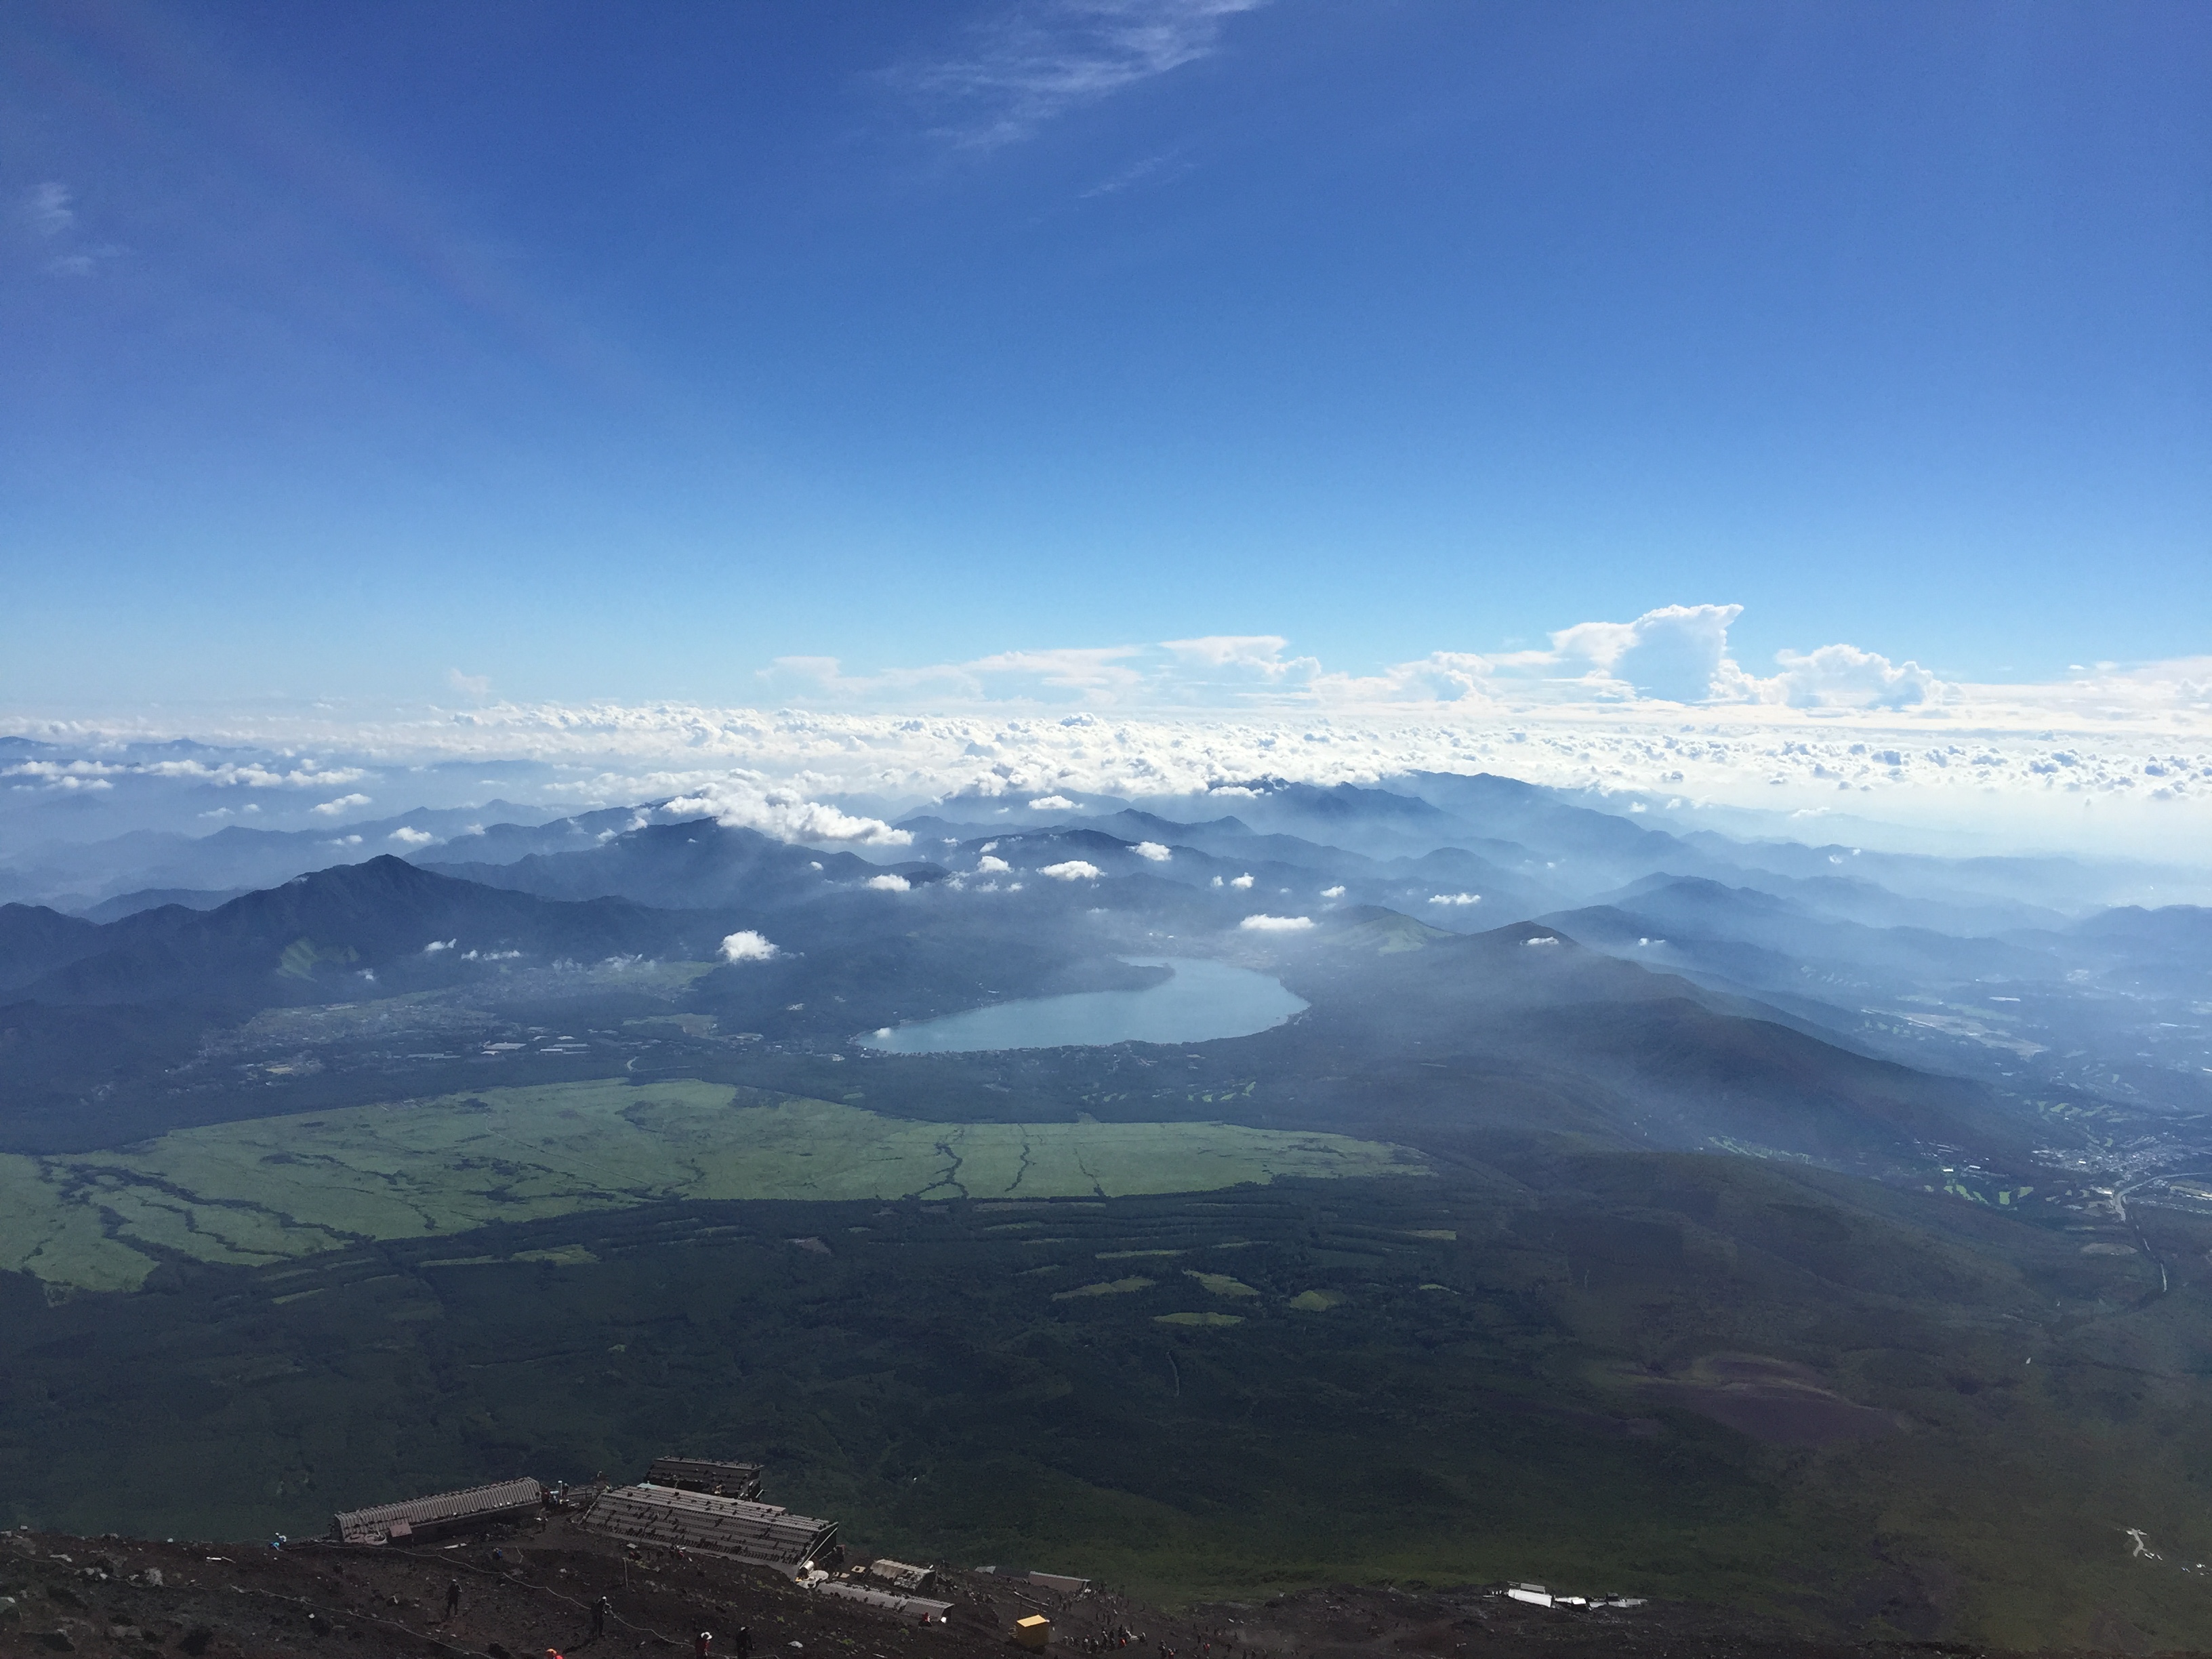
x=764 y=1533
x=741 y=1480
x=467 y=1510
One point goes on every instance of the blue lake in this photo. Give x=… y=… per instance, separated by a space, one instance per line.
x=1202 y=1001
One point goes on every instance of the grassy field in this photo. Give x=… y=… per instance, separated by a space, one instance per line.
x=265 y=1190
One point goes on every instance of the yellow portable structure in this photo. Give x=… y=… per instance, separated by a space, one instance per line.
x=1033 y=1632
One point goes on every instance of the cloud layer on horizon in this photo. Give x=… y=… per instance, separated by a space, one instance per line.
x=838 y=778
x=1677 y=655
x=2110 y=757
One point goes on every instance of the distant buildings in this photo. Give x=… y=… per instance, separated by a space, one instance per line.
x=689 y=1504
x=467 y=1510
x=697 y=1475
x=763 y=1533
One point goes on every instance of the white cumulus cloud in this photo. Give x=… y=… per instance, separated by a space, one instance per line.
x=1052 y=803
x=888 y=884
x=410 y=838
x=344 y=803
x=1265 y=924
x=1240 y=881
x=1455 y=898
x=747 y=945
x=1260 y=655
x=1072 y=870
x=1678 y=653
x=1453 y=677
x=1153 y=851
x=1674 y=654
x=745 y=800
x=989 y=865
x=1845 y=677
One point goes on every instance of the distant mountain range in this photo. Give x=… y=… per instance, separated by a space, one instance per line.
x=382 y=928
x=1742 y=1196
x=1728 y=982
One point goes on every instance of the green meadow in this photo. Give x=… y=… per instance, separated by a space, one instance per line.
x=264 y=1190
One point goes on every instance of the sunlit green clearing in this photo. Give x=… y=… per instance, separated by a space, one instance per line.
x=275 y=1188
x=1222 y=1284
x=1112 y=1287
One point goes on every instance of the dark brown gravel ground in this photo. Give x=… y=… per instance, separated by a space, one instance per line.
x=98 y=1596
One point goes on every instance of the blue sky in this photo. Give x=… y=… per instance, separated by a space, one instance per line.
x=617 y=352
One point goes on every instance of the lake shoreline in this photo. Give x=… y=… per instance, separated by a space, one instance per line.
x=1200 y=1001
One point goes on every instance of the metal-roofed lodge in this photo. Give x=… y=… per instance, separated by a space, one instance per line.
x=442 y=1512
x=700 y=1474
x=763 y=1533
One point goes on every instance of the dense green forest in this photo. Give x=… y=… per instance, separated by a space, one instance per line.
x=1695 y=1376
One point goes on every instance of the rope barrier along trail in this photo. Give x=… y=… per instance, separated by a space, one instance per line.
x=448 y=1564
x=408 y=1631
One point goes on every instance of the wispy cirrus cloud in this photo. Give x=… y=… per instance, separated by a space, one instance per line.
x=1151 y=170
x=1089 y=673
x=45 y=211
x=47 y=222
x=1031 y=63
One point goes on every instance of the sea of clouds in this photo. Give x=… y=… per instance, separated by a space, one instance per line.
x=1652 y=715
